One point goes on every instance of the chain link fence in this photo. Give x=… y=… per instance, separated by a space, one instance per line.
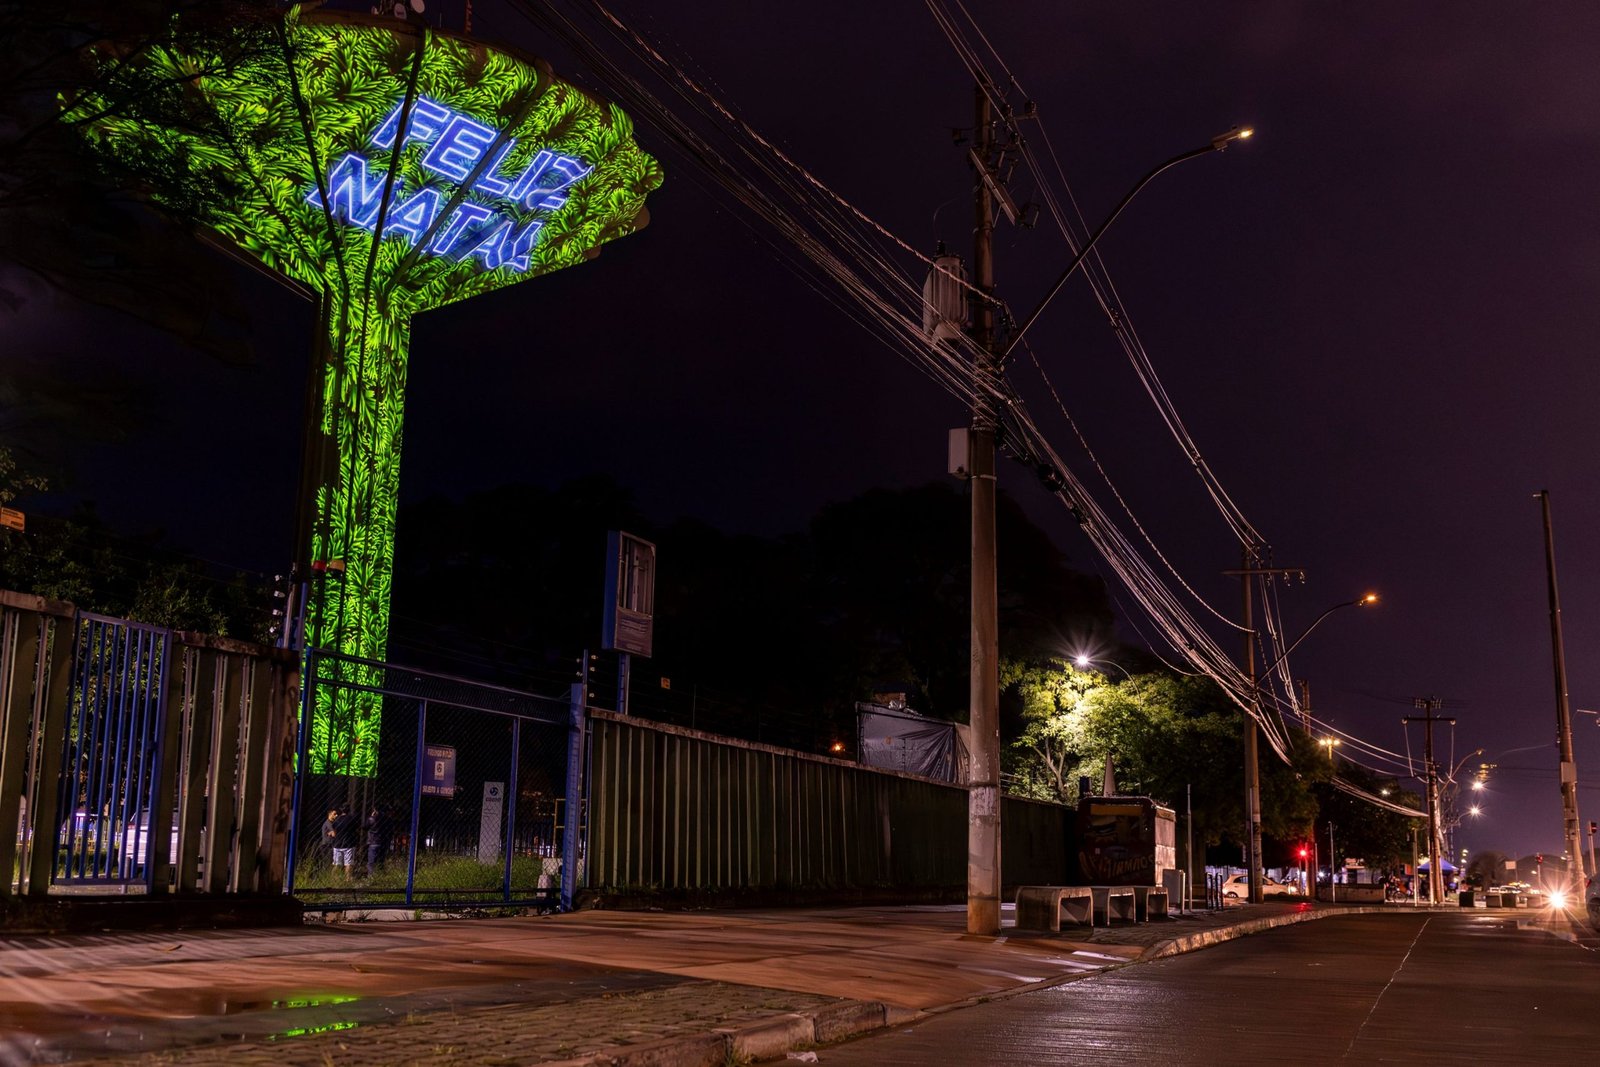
x=428 y=790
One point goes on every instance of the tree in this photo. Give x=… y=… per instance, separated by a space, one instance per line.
x=79 y=559
x=1168 y=736
x=1379 y=837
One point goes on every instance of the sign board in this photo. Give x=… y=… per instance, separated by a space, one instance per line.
x=12 y=519
x=629 y=624
x=1353 y=864
x=491 y=822
x=438 y=771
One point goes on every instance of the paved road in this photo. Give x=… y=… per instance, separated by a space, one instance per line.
x=1456 y=988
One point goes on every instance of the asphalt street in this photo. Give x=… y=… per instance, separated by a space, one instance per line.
x=1419 y=988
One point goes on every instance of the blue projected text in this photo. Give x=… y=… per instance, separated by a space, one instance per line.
x=457 y=147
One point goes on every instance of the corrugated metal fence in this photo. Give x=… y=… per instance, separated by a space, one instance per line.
x=134 y=757
x=679 y=813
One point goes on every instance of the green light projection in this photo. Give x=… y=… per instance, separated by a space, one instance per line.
x=390 y=169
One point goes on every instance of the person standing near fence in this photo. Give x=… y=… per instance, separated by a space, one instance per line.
x=330 y=830
x=377 y=838
x=346 y=828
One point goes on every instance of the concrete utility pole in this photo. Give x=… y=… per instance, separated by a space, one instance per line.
x=1435 y=844
x=1569 y=767
x=983 y=796
x=1252 y=761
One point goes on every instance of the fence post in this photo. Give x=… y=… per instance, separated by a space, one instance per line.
x=278 y=811
x=24 y=622
x=574 y=799
x=416 y=800
x=301 y=717
x=50 y=734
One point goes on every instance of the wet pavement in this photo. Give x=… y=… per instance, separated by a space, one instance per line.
x=601 y=987
x=1428 y=987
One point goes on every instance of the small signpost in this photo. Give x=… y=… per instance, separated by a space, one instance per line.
x=12 y=519
x=491 y=821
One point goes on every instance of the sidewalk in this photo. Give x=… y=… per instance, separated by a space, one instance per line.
x=628 y=988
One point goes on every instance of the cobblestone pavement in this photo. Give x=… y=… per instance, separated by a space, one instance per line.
x=504 y=1034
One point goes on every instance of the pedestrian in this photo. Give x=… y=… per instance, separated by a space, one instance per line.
x=330 y=830
x=345 y=830
x=377 y=838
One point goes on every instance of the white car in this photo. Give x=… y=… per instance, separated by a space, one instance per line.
x=1238 y=887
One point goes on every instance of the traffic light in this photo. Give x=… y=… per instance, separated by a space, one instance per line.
x=1594 y=827
x=1538 y=859
x=1304 y=852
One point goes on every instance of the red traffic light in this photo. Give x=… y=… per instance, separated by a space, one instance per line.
x=1538 y=858
x=1304 y=852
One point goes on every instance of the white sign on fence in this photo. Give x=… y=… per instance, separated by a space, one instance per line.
x=491 y=822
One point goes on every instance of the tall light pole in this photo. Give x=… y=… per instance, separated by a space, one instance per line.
x=1569 y=767
x=983 y=797
x=1435 y=845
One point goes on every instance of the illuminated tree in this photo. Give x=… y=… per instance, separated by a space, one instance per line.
x=388 y=169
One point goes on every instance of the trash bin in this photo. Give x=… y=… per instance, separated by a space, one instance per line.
x=1464 y=898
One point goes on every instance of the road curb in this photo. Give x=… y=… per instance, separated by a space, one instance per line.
x=1206 y=938
x=767 y=1039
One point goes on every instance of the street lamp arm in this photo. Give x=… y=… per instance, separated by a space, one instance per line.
x=1216 y=145
x=1362 y=601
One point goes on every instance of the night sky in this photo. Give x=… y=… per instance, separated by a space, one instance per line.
x=1377 y=318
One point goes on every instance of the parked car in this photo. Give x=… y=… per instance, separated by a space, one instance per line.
x=1238 y=887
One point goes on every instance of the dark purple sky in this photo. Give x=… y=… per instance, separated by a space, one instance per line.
x=1378 y=320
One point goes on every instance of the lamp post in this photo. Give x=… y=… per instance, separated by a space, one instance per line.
x=983 y=793
x=1252 y=763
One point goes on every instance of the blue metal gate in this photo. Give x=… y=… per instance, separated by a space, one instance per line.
x=465 y=803
x=113 y=751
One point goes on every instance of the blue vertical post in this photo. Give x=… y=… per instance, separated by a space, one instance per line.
x=511 y=802
x=416 y=800
x=574 y=801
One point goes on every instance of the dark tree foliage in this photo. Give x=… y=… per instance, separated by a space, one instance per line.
x=80 y=559
x=872 y=596
x=1378 y=837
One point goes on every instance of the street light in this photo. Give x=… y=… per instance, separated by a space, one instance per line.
x=1219 y=143
x=1083 y=662
x=983 y=797
x=1363 y=601
x=1252 y=769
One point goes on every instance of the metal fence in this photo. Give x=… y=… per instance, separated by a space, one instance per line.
x=428 y=790
x=135 y=758
x=680 y=814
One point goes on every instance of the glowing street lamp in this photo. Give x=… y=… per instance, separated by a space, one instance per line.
x=1084 y=662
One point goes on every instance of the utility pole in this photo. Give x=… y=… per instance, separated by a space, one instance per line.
x=1435 y=846
x=983 y=796
x=1569 y=767
x=1252 y=762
